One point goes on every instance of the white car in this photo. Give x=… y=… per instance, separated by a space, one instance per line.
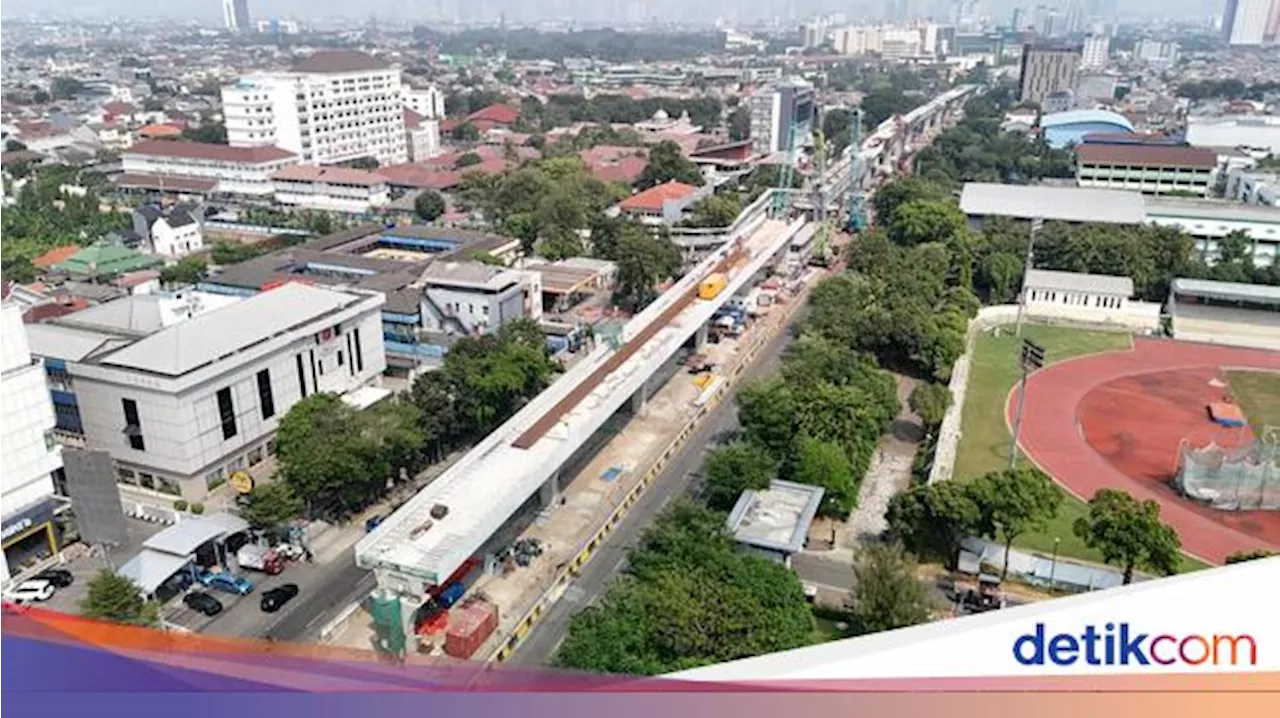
x=33 y=591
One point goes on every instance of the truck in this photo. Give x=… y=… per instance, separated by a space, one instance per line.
x=711 y=287
x=260 y=558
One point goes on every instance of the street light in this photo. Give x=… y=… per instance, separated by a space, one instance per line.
x=1053 y=566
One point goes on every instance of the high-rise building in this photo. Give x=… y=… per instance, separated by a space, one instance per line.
x=1244 y=22
x=332 y=107
x=235 y=15
x=31 y=455
x=781 y=116
x=1095 y=51
x=1047 y=69
x=1273 y=25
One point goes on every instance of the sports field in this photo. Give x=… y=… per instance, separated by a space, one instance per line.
x=984 y=443
x=1258 y=393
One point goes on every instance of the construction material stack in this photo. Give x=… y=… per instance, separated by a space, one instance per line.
x=471 y=625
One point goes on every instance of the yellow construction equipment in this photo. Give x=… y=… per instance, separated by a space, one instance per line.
x=711 y=287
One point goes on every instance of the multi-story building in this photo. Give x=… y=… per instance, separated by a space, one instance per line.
x=1151 y=169
x=1156 y=52
x=330 y=189
x=1259 y=135
x=472 y=298
x=203 y=168
x=1095 y=51
x=1253 y=187
x=1047 y=69
x=31 y=455
x=332 y=107
x=782 y=116
x=1244 y=22
x=235 y=15
x=426 y=101
x=174 y=233
x=422 y=136
x=182 y=396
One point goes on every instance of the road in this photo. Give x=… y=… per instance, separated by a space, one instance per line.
x=674 y=480
x=342 y=584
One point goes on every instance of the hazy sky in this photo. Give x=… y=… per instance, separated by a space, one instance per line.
x=210 y=10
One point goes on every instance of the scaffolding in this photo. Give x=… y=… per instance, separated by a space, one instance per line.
x=388 y=623
x=1240 y=479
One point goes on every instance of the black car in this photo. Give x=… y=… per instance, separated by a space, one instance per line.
x=60 y=578
x=280 y=595
x=203 y=602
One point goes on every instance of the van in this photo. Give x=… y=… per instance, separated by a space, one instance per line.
x=33 y=591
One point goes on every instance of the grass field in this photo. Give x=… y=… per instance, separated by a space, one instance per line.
x=984 y=446
x=1258 y=393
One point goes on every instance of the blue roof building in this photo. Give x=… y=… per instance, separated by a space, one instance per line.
x=1065 y=128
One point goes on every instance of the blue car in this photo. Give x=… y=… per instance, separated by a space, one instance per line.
x=228 y=582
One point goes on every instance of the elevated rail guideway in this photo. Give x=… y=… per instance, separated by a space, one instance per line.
x=453 y=518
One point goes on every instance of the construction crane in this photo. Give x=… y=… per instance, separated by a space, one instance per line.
x=857 y=202
x=822 y=243
x=782 y=198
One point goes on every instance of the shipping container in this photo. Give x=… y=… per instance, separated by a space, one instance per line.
x=711 y=287
x=471 y=625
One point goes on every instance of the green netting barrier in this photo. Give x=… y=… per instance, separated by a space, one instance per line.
x=388 y=622
x=1239 y=479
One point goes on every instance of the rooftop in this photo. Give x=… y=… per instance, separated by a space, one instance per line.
x=472 y=274
x=497 y=113
x=1147 y=155
x=1227 y=291
x=777 y=518
x=1080 y=282
x=654 y=198
x=105 y=259
x=337 y=61
x=1066 y=204
x=143 y=314
x=187 y=346
x=209 y=151
x=329 y=175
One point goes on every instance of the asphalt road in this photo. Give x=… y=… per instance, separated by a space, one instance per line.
x=340 y=584
x=676 y=479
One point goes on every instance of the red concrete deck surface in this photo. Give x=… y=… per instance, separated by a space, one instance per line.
x=1115 y=421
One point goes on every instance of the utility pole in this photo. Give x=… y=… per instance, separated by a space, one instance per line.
x=1036 y=224
x=1032 y=358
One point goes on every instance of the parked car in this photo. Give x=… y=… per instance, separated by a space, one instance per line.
x=32 y=590
x=59 y=577
x=203 y=602
x=228 y=582
x=280 y=595
x=372 y=523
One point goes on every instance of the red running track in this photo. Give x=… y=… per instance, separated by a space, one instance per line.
x=1115 y=420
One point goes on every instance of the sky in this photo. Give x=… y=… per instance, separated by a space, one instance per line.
x=210 y=11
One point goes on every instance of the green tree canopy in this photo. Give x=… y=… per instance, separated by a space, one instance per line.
x=1243 y=556
x=1129 y=533
x=930 y=402
x=428 y=205
x=887 y=594
x=271 y=504
x=930 y=521
x=733 y=468
x=644 y=260
x=464 y=132
x=467 y=159
x=740 y=123
x=112 y=597
x=188 y=270
x=923 y=221
x=825 y=464
x=667 y=163
x=1012 y=502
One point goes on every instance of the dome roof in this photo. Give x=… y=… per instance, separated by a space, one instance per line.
x=661 y=114
x=1080 y=117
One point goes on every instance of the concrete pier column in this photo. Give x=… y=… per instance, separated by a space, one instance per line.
x=640 y=399
x=700 y=338
x=549 y=494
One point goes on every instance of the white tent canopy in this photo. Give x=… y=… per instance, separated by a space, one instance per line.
x=150 y=569
x=184 y=537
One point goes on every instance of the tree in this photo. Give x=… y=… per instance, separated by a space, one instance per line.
x=667 y=163
x=739 y=123
x=464 y=132
x=734 y=468
x=835 y=130
x=1001 y=274
x=901 y=191
x=886 y=594
x=1129 y=533
x=923 y=221
x=767 y=410
x=428 y=205
x=12 y=145
x=326 y=458
x=930 y=521
x=1242 y=556
x=364 y=163
x=717 y=210
x=210 y=132
x=643 y=261
x=930 y=401
x=65 y=88
x=112 y=597
x=825 y=464
x=1012 y=502
x=271 y=504
x=186 y=271
x=468 y=159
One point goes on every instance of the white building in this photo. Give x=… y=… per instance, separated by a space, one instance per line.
x=422 y=136
x=474 y=298
x=183 y=398
x=1095 y=52
x=332 y=107
x=426 y=101
x=781 y=116
x=1258 y=134
x=31 y=455
x=218 y=169
x=1156 y=52
x=173 y=234
x=1244 y=22
x=1254 y=187
x=235 y=15
x=331 y=189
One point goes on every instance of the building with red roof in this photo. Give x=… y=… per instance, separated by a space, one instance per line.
x=1148 y=168
x=202 y=167
x=330 y=189
x=662 y=204
x=615 y=164
x=496 y=115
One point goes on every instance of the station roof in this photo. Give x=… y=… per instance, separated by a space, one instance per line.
x=149 y=569
x=1066 y=204
x=1227 y=291
x=184 y=537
